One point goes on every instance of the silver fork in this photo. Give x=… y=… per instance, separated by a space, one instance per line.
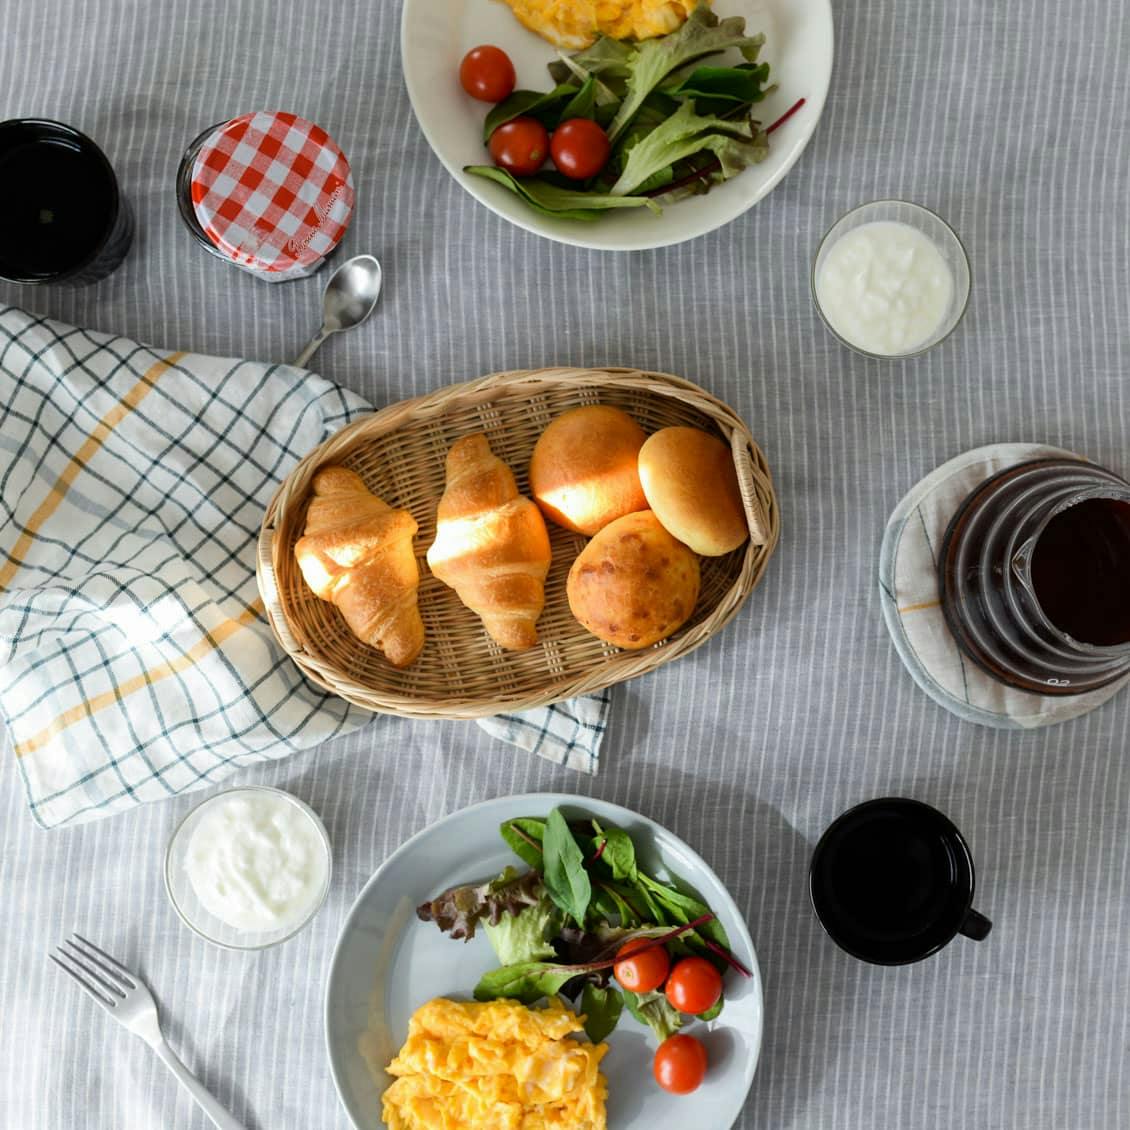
x=128 y=1001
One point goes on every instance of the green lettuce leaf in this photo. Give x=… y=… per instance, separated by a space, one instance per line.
x=527 y=982
x=562 y=203
x=654 y=1010
x=702 y=35
x=582 y=104
x=619 y=854
x=602 y=1007
x=733 y=143
x=608 y=57
x=682 y=908
x=742 y=84
x=527 y=935
x=523 y=835
x=563 y=869
x=714 y=1011
x=543 y=105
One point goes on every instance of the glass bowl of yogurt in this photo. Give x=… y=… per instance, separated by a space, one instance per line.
x=249 y=867
x=891 y=279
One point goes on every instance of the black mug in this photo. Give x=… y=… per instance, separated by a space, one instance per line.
x=63 y=218
x=892 y=882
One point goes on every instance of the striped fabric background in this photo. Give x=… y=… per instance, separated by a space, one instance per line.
x=1007 y=117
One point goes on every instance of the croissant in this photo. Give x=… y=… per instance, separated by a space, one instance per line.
x=491 y=544
x=357 y=553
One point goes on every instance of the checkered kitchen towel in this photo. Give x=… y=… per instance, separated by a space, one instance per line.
x=135 y=662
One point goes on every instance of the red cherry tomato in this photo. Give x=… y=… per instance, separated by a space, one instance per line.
x=641 y=972
x=680 y=1064
x=694 y=985
x=520 y=146
x=580 y=148
x=487 y=74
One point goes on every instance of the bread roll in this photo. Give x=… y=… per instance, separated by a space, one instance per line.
x=584 y=471
x=689 y=479
x=357 y=553
x=491 y=544
x=633 y=584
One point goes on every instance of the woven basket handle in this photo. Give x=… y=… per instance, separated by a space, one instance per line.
x=269 y=590
x=747 y=476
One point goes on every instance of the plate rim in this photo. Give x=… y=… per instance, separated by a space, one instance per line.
x=823 y=7
x=554 y=799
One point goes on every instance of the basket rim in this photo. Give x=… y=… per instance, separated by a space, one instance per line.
x=758 y=494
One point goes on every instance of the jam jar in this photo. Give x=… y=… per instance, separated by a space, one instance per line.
x=269 y=192
x=1034 y=573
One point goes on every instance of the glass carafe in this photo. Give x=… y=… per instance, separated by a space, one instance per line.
x=1034 y=574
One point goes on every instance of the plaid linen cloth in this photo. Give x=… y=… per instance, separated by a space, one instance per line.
x=136 y=661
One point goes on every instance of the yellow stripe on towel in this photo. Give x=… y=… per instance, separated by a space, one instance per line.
x=920 y=607
x=79 y=460
x=210 y=641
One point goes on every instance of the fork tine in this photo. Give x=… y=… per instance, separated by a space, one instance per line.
x=83 y=982
x=120 y=978
x=113 y=991
x=112 y=960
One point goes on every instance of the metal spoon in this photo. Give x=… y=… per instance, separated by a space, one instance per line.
x=350 y=297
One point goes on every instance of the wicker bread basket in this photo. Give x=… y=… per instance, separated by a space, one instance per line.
x=400 y=452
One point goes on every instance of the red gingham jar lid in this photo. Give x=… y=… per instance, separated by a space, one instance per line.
x=272 y=191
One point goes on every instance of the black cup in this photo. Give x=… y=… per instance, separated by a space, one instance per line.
x=891 y=881
x=63 y=218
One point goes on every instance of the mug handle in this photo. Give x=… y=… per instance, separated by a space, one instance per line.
x=975 y=926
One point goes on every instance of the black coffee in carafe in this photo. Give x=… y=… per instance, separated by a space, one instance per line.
x=1034 y=574
x=1081 y=571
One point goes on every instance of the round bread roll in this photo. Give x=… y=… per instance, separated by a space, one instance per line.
x=689 y=479
x=584 y=471
x=633 y=584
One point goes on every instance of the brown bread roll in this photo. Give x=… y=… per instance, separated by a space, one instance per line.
x=584 y=470
x=356 y=552
x=491 y=544
x=633 y=584
x=689 y=479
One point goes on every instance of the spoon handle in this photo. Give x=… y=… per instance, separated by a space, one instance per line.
x=312 y=347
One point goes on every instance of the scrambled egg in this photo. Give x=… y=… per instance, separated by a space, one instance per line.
x=578 y=23
x=495 y=1066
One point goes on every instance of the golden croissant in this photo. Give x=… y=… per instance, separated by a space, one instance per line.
x=357 y=553
x=491 y=544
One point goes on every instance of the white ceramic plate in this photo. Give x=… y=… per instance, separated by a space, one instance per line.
x=436 y=34
x=387 y=963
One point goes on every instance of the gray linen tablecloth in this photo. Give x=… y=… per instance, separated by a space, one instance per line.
x=1010 y=119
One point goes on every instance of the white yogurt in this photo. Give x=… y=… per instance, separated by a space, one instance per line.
x=257 y=861
x=884 y=287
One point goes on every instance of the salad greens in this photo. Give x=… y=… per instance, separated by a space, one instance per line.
x=558 y=927
x=459 y=910
x=563 y=869
x=602 y=1008
x=654 y=1010
x=702 y=35
x=678 y=124
x=527 y=935
x=554 y=200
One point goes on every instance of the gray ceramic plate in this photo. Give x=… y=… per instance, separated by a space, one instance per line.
x=387 y=963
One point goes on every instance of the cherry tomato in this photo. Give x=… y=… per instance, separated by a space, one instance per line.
x=643 y=971
x=520 y=146
x=694 y=985
x=680 y=1064
x=580 y=148
x=487 y=74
